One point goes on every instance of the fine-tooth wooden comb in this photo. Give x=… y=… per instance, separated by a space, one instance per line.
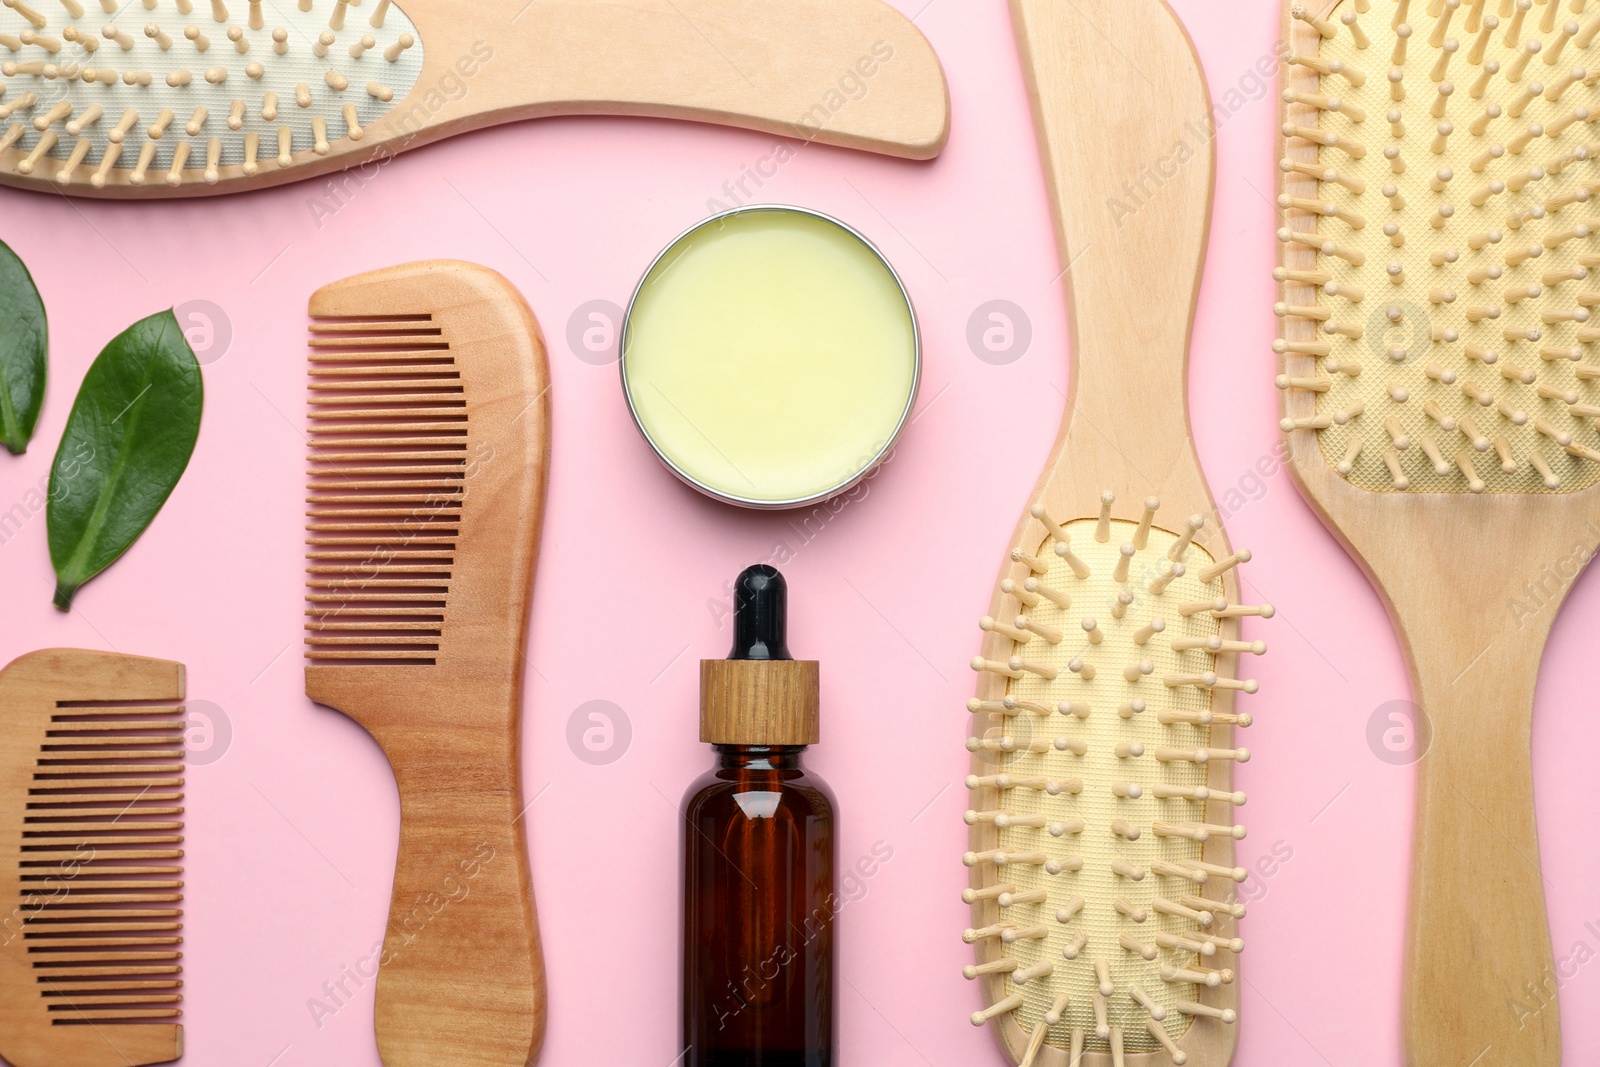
x=429 y=455
x=91 y=849
x=1102 y=803
x=1441 y=383
x=194 y=97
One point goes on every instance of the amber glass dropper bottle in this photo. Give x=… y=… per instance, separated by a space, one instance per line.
x=759 y=855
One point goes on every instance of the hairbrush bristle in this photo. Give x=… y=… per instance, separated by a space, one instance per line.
x=1097 y=815
x=161 y=92
x=1440 y=160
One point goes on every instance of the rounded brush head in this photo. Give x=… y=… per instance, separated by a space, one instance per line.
x=173 y=91
x=1102 y=805
x=1441 y=260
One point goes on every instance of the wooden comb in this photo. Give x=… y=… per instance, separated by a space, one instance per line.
x=1102 y=843
x=429 y=454
x=91 y=839
x=199 y=97
x=1440 y=389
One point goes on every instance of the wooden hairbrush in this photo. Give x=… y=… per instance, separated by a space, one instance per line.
x=91 y=848
x=1102 y=803
x=429 y=455
x=195 y=97
x=1440 y=391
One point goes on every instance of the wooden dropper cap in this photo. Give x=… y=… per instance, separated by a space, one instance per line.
x=759 y=695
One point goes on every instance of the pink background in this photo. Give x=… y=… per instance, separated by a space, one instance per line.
x=292 y=833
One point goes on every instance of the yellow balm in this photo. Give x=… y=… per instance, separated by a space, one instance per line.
x=770 y=356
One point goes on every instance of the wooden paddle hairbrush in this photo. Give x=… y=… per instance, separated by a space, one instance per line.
x=1102 y=859
x=195 y=97
x=91 y=843
x=1440 y=391
x=429 y=454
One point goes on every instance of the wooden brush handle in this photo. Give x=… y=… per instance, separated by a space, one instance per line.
x=855 y=73
x=1119 y=103
x=1453 y=570
x=1480 y=977
x=462 y=979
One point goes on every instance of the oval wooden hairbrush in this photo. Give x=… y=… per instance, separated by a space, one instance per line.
x=197 y=97
x=1102 y=804
x=1441 y=385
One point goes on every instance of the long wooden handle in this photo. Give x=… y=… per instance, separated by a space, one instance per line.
x=1480 y=985
x=855 y=73
x=1121 y=111
x=462 y=976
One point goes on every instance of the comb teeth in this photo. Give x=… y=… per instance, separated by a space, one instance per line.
x=1092 y=814
x=83 y=88
x=388 y=462
x=1439 y=195
x=100 y=863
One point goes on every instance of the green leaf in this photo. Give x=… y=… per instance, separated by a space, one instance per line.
x=127 y=442
x=24 y=341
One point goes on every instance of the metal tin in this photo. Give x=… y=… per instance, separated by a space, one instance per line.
x=882 y=453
